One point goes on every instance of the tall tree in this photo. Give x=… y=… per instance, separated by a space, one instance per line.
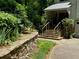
x=42 y=6
x=7 y=5
x=50 y=2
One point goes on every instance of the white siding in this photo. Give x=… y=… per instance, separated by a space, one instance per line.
x=73 y=9
x=77 y=9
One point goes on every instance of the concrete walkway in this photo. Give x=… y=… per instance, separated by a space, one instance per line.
x=65 y=49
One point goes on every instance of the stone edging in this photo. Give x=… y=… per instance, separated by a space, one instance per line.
x=24 y=41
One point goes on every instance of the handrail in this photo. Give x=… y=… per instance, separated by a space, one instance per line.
x=45 y=25
x=57 y=25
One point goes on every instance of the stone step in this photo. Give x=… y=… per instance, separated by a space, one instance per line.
x=54 y=38
x=50 y=34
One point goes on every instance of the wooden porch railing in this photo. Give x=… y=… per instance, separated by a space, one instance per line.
x=57 y=26
x=45 y=27
x=56 y=29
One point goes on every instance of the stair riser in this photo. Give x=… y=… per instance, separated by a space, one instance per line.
x=50 y=34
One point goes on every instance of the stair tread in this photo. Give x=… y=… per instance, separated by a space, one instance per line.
x=50 y=34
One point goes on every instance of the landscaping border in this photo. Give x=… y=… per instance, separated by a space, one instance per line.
x=19 y=49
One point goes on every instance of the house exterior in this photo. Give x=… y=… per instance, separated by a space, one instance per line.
x=67 y=8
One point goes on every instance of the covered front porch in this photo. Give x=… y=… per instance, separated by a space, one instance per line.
x=57 y=12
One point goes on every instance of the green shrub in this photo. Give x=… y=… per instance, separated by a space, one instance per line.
x=8 y=5
x=68 y=27
x=21 y=9
x=9 y=28
x=44 y=19
x=22 y=14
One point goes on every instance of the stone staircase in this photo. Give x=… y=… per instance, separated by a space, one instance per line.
x=51 y=34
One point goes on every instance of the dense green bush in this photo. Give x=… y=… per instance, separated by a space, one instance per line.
x=21 y=9
x=34 y=9
x=7 y=5
x=22 y=14
x=8 y=27
x=28 y=13
x=68 y=27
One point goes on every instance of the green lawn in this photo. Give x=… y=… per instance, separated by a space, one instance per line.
x=44 y=46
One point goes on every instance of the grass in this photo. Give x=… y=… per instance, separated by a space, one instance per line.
x=44 y=46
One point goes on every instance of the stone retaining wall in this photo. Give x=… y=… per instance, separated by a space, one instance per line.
x=20 y=49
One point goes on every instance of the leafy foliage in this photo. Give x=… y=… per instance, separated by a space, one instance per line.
x=22 y=14
x=68 y=27
x=7 y=5
x=8 y=27
x=49 y=2
x=27 y=10
x=18 y=15
x=35 y=11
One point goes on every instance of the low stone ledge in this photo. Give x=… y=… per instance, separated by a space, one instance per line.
x=19 y=47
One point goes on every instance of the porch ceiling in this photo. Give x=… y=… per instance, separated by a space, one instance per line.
x=58 y=6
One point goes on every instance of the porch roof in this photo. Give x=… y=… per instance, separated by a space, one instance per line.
x=58 y=6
